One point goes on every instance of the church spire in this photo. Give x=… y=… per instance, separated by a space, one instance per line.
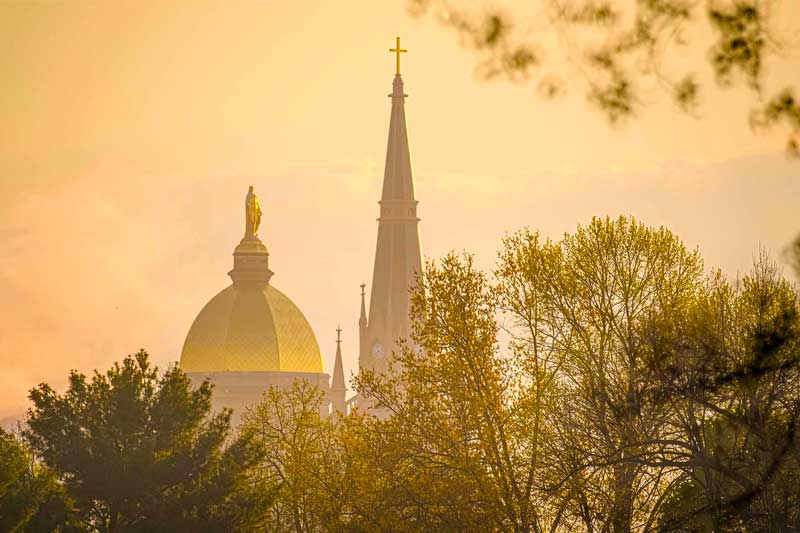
x=338 y=388
x=398 y=184
x=397 y=251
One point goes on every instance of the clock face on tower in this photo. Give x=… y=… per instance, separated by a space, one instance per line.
x=377 y=350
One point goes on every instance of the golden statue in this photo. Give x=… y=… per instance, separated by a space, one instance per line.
x=252 y=214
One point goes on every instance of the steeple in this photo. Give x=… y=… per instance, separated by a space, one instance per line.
x=397 y=252
x=397 y=182
x=338 y=388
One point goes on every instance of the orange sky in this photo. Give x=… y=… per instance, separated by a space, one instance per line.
x=130 y=132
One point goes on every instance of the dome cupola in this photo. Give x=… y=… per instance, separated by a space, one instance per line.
x=251 y=326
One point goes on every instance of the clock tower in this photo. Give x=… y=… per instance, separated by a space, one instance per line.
x=397 y=251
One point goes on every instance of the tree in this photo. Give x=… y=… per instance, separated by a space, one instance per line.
x=634 y=385
x=733 y=383
x=589 y=306
x=329 y=474
x=138 y=450
x=299 y=477
x=621 y=49
x=31 y=498
x=671 y=378
x=465 y=431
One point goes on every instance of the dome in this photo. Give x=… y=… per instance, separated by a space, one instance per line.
x=251 y=327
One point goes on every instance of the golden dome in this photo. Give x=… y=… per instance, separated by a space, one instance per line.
x=251 y=327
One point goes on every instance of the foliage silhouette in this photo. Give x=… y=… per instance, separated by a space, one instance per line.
x=138 y=450
x=621 y=49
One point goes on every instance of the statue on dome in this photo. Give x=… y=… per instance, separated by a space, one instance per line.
x=252 y=214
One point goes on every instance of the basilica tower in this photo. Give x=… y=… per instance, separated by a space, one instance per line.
x=397 y=252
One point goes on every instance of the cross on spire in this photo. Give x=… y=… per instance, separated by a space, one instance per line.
x=338 y=334
x=397 y=50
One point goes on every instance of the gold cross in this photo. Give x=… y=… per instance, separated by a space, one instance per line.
x=397 y=50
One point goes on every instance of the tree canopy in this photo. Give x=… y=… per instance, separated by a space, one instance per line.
x=139 y=450
x=605 y=382
x=637 y=392
x=30 y=497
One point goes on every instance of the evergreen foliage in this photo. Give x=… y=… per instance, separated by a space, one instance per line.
x=138 y=450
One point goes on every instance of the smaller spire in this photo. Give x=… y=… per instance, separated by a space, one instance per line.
x=362 y=320
x=337 y=384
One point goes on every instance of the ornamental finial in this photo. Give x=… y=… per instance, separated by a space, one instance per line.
x=397 y=50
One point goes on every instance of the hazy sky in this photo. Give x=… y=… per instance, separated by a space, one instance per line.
x=130 y=132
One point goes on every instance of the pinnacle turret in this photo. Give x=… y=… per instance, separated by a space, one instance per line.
x=362 y=321
x=338 y=388
x=338 y=369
